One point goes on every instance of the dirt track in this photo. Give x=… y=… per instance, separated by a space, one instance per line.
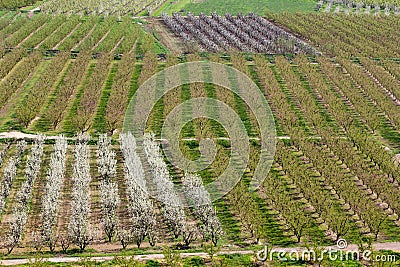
x=101 y=259
x=393 y=246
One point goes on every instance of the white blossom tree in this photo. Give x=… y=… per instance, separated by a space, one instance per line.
x=79 y=229
x=31 y=171
x=21 y=210
x=172 y=206
x=107 y=167
x=51 y=197
x=8 y=177
x=4 y=152
x=140 y=207
x=200 y=200
x=17 y=226
x=9 y=173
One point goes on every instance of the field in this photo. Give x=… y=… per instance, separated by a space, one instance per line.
x=249 y=33
x=100 y=8
x=235 y=7
x=11 y=4
x=367 y=8
x=78 y=185
x=157 y=7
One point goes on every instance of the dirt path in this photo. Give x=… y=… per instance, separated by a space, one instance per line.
x=393 y=246
x=19 y=135
x=167 y=37
x=102 y=259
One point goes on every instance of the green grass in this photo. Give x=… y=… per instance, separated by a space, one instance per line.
x=99 y=119
x=158 y=109
x=260 y=7
x=8 y=120
x=216 y=127
x=67 y=127
x=329 y=120
x=256 y=79
x=7 y=14
x=171 y=6
x=240 y=105
x=187 y=113
x=302 y=120
x=42 y=125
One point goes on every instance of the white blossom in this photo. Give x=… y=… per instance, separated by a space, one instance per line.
x=172 y=206
x=79 y=230
x=4 y=152
x=107 y=167
x=9 y=173
x=21 y=210
x=140 y=207
x=199 y=198
x=51 y=197
x=106 y=161
x=17 y=226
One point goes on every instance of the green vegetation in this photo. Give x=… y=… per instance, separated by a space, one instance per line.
x=171 y=6
x=14 y=4
x=260 y=7
x=94 y=34
x=335 y=172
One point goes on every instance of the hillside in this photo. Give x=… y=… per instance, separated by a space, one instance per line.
x=190 y=133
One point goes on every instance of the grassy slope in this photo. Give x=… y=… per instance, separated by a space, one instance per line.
x=238 y=6
x=171 y=6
